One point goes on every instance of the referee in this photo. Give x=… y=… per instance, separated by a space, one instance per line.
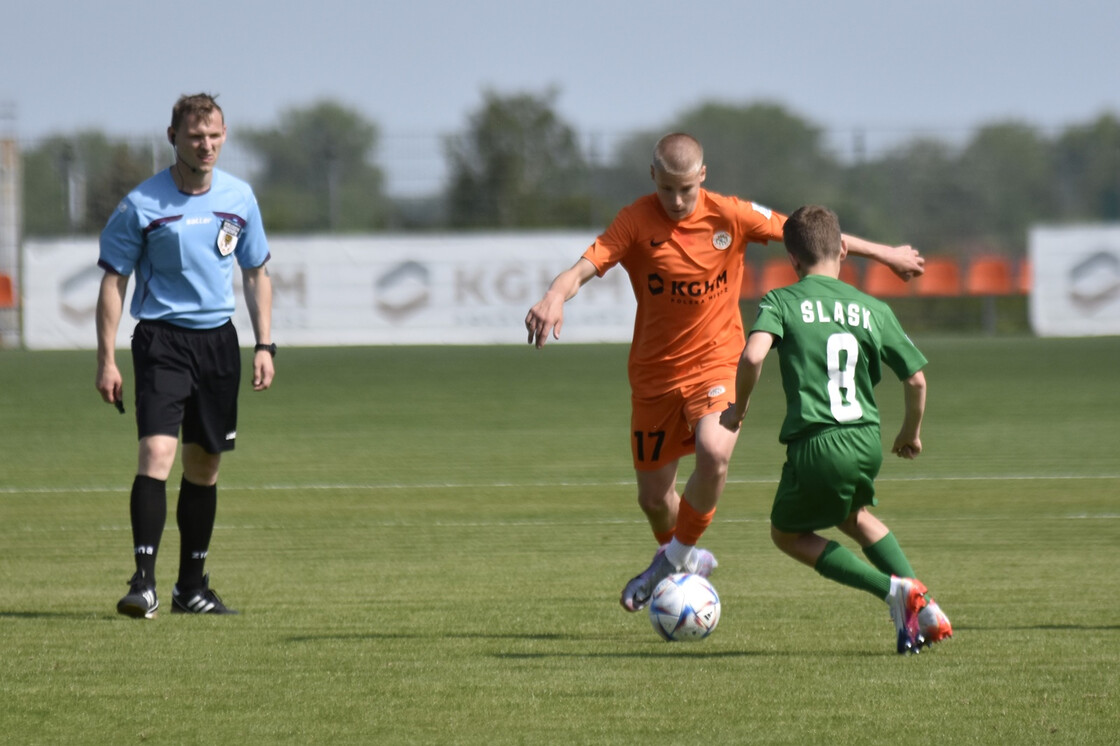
x=180 y=233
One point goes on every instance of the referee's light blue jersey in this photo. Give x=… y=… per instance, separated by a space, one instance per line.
x=182 y=248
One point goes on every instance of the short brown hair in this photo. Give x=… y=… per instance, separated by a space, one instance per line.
x=196 y=104
x=812 y=233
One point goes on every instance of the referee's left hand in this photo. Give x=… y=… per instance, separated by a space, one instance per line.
x=263 y=370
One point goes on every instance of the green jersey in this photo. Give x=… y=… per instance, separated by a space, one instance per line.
x=833 y=341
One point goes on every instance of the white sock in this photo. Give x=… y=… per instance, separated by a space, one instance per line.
x=680 y=555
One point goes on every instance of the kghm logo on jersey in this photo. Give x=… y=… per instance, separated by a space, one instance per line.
x=688 y=291
x=721 y=240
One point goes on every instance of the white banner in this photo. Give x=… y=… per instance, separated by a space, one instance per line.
x=1075 y=274
x=437 y=289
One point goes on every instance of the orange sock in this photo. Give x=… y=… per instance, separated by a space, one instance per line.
x=664 y=537
x=692 y=524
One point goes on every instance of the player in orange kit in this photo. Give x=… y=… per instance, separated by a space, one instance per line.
x=683 y=249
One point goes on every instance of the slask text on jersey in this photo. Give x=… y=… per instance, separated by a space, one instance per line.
x=852 y=314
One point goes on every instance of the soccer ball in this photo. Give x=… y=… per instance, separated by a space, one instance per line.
x=684 y=607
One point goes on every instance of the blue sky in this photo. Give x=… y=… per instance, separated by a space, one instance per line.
x=418 y=68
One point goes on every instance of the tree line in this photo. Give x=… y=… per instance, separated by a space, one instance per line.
x=516 y=164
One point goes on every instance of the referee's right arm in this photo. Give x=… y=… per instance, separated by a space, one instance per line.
x=110 y=307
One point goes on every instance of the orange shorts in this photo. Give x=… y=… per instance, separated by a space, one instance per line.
x=661 y=429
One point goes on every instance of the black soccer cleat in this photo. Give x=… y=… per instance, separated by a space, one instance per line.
x=141 y=601
x=199 y=601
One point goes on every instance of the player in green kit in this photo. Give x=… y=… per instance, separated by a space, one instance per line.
x=833 y=342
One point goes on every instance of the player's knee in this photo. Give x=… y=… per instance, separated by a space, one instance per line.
x=782 y=539
x=156 y=456
x=657 y=491
x=656 y=503
x=712 y=466
x=199 y=466
x=713 y=454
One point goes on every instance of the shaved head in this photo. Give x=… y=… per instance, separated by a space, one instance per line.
x=678 y=154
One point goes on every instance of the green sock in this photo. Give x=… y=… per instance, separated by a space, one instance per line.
x=840 y=565
x=887 y=556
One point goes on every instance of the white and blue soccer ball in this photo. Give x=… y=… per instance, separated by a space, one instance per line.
x=684 y=607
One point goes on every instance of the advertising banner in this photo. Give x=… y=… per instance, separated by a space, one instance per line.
x=435 y=289
x=1076 y=281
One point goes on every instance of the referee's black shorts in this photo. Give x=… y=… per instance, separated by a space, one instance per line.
x=189 y=379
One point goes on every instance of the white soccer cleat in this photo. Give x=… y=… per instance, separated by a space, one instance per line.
x=933 y=623
x=906 y=600
x=704 y=562
x=637 y=592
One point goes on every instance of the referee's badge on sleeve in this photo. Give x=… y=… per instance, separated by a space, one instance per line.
x=227 y=237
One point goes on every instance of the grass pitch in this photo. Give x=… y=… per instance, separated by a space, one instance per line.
x=427 y=545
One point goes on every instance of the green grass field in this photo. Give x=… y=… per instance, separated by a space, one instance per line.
x=427 y=545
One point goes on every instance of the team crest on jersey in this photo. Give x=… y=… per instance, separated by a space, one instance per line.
x=721 y=240
x=227 y=237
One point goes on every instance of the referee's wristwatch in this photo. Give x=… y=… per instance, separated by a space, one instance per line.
x=270 y=348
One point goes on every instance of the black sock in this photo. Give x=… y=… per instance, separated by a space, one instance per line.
x=148 y=510
x=197 y=507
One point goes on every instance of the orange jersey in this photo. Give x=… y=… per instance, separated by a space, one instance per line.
x=686 y=277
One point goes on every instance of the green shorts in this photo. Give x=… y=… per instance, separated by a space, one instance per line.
x=826 y=477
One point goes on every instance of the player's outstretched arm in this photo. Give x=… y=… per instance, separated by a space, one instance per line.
x=904 y=260
x=908 y=444
x=547 y=316
x=746 y=378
